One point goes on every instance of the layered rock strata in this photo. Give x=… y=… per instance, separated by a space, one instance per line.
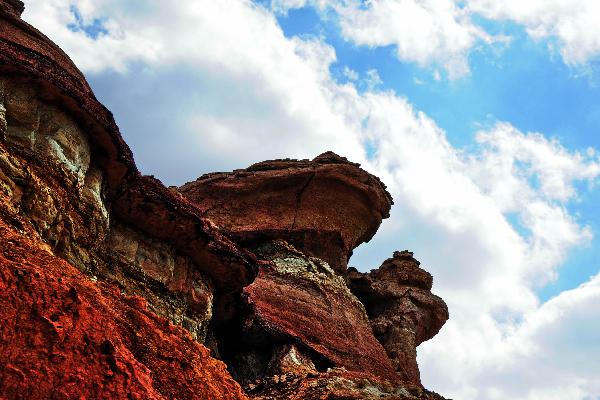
x=65 y=167
x=364 y=323
x=116 y=287
x=64 y=336
x=75 y=201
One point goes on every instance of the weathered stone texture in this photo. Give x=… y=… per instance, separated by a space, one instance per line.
x=403 y=311
x=336 y=384
x=325 y=207
x=304 y=300
x=64 y=336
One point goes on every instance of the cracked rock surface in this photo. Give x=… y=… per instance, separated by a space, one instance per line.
x=324 y=207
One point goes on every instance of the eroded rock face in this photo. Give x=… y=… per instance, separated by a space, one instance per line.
x=65 y=168
x=300 y=300
x=64 y=336
x=47 y=176
x=324 y=207
x=336 y=384
x=40 y=71
x=403 y=311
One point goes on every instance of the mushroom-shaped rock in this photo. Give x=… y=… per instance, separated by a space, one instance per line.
x=324 y=207
x=403 y=311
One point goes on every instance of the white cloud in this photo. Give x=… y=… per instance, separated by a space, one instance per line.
x=426 y=32
x=443 y=32
x=237 y=73
x=350 y=74
x=551 y=356
x=575 y=24
x=207 y=85
x=373 y=80
x=423 y=31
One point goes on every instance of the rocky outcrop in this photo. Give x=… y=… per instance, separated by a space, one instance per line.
x=66 y=336
x=116 y=287
x=324 y=207
x=299 y=301
x=44 y=82
x=68 y=179
x=65 y=168
x=403 y=311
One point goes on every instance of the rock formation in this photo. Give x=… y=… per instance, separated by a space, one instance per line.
x=232 y=286
x=64 y=336
x=402 y=310
x=293 y=200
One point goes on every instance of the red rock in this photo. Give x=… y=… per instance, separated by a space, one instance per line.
x=403 y=311
x=83 y=235
x=324 y=207
x=63 y=336
x=302 y=299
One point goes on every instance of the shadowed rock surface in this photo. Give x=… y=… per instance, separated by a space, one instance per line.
x=403 y=311
x=114 y=286
x=337 y=384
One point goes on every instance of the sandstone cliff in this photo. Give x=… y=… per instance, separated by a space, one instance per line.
x=235 y=285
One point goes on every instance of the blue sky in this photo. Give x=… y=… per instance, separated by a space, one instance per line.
x=523 y=83
x=481 y=116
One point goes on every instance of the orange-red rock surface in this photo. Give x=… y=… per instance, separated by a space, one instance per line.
x=63 y=336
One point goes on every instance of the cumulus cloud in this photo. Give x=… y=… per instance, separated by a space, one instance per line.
x=228 y=68
x=208 y=85
x=574 y=24
x=550 y=356
x=426 y=32
x=444 y=32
